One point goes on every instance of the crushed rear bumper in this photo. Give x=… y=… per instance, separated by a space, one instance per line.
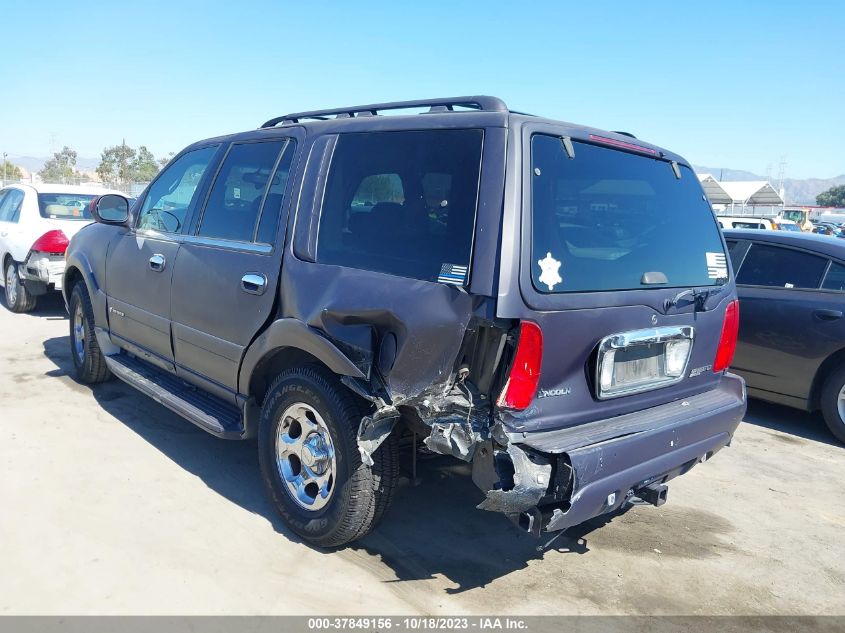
x=42 y=272
x=552 y=480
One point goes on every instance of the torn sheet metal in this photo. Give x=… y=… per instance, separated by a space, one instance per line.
x=374 y=429
x=531 y=480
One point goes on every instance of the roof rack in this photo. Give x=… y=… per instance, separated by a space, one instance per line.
x=479 y=102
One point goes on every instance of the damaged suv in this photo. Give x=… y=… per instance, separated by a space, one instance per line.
x=548 y=302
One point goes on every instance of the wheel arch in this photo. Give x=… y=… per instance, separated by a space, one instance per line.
x=289 y=343
x=828 y=366
x=78 y=268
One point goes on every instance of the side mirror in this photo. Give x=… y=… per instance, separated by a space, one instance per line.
x=111 y=209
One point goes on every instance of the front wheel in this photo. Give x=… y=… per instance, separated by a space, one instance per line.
x=88 y=360
x=310 y=463
x=18 y=298
x=833 y=403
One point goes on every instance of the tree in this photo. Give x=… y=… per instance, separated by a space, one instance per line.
x=833 y=197
x=61 y=167
x=116 y=164
x=10 y=171
x=145 y=166
x=122 y=164
x=163 y=161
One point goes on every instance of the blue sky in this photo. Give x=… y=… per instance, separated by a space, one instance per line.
x=734 y=84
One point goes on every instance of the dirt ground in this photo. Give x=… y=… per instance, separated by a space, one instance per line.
x=110 y=504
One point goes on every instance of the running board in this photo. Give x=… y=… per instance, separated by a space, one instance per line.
x=208 y=412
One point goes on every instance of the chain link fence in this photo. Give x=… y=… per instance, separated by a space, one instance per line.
x=130 y=189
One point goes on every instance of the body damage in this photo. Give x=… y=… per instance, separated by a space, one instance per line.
x=428 y=355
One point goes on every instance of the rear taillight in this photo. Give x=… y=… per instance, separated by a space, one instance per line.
x=521 y=385
x=727 y=344
x=54 y=242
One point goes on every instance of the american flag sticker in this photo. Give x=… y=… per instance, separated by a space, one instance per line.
x=717 y=266
x=452 y=274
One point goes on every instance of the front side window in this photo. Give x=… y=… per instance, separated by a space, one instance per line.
x=402 y=203
x=609 y=220
x=174 y=191
x=236 y=198
x=778 y=267
x=65 y=206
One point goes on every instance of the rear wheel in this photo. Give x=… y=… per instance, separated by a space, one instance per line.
x=833 y=403
x=312 y=470
x=88 y=360
x=18 y=298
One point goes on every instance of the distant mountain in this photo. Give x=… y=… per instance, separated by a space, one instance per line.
x=796 y=190
x=35 y=163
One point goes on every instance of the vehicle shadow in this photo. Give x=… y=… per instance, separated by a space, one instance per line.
x=810 y=426
x=432 y=529
x=50 y=306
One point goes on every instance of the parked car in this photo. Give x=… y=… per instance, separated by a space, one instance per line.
x=36 y=222
x=549 y=302
x=750 y=222
x=791 y=346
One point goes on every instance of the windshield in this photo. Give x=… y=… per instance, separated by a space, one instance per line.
x=65 y=206
x=789 y=227
x=795 y=216
x=611 y=220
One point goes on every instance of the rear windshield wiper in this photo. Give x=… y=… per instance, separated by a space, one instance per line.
x=699 y=298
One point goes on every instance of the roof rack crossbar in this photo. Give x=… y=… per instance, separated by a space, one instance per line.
x=478 y=102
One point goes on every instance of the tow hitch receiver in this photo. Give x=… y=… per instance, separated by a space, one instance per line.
x=654 y=494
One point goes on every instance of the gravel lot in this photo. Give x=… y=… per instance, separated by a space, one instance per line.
x=111 y=504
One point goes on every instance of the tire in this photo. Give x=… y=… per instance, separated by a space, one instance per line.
x=88 y=360
x=833 y=403
x=354 y=498
x=18 y=298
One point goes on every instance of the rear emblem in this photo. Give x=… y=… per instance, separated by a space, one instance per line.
x=654 y=319
x=550 y=267
x=554 y=393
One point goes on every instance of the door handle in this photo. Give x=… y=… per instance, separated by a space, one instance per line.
x=828 y=315
x=254 y=283
x=157 y=262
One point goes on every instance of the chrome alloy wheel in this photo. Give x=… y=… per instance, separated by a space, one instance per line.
x=840 y=404
x=305 y=456
x=11 y=285
x=79 y=333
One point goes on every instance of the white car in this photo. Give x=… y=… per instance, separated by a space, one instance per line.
x=36 y=224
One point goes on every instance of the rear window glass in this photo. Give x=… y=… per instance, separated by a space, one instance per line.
x=65 y=206
x=780 y=268
x=402 y=203
x=605 y=218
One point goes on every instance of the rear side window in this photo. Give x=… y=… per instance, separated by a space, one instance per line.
x=835 y=277
x=605 y=218
x=766 y=265
x=402 y=203
x=241 y=188
x=10 y=205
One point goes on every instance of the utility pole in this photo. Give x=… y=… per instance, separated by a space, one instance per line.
x=4 y=167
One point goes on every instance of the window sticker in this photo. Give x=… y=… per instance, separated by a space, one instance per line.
x=717 y=266
x=550 y=267
x=237 y=193
x=452 y=274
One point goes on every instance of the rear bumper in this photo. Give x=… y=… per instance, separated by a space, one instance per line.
x=41 y=272
x=572 y=475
